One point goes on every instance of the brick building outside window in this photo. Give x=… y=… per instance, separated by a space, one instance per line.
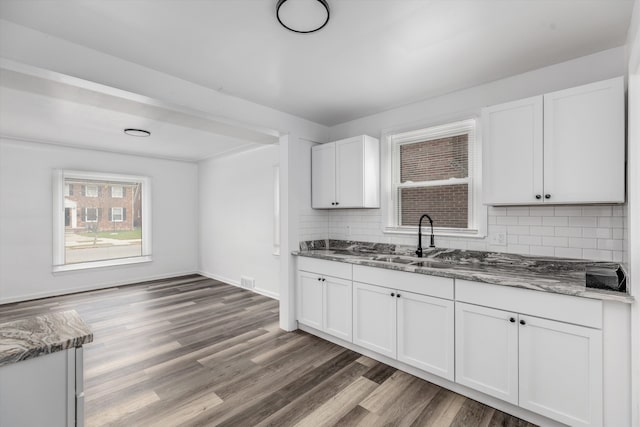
x=432 y=172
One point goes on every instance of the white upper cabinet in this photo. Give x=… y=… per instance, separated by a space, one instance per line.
x=346 y=174
x=584 y=144
x=558 y=148
x=512 y=168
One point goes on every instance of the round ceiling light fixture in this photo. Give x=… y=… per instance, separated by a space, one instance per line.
x=137 y=132
x=303 y=16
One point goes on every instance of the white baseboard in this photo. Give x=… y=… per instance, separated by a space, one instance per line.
x=226 y=280
x=92 y=287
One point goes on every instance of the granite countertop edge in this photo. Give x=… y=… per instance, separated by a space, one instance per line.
x=35 y=336
x=536 y=282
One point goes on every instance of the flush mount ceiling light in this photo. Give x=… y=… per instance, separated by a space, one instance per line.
x=303 y=16
x=137 y=132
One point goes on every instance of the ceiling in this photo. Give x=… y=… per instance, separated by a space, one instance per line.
x=372 y=56
x=51 y=108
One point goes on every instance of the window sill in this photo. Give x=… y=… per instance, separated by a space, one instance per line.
x=100 y=264
x=439 y=232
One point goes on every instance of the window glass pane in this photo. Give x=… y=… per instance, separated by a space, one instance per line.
x=447 y=205
x=98 y=226
x=435 y=159
x=116 y=191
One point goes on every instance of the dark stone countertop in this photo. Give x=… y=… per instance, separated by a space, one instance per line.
x=40 y=335
x=547 y=274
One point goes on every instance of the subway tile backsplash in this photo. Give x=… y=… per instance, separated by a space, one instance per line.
x=587 y=232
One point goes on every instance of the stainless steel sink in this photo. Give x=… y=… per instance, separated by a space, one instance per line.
x=431 y=264
x=394 y=259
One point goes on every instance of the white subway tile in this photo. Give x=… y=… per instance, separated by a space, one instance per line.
x=611 y=221
x=530 y=220
x=507 y=220
x=542 y=250
x=555 y=241
x=478 y=245
x=530 y=240
x=541 y=231
x=599 y=233
x=577 y=242
x=617 y=233
x=585 y=221
x=496 y=248
x=568 y=211
x=610 y=244
x=557 y=221
x=541 y=211
x=618 y=256
x=597 y=211
x=518 y=229
x=598 y=255
x=491 y=220
x=512 y=239
x=518 y=211
x=568 y=252
x=497 y=211
x=618 y=211
x=569 y=231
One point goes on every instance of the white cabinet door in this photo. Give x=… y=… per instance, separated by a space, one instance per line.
x=337 y=307
x=374 y=318
x=561 y=371
x=426 y=333
x=350 y=173
x=584 y=159
x=323 y=176
x=310 y=299
x=512 y=152
x=487 y=351
x=39 y=391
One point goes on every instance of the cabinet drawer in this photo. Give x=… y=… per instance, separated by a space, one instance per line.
x=565 y=308
x=441 y=287
x=325 y=268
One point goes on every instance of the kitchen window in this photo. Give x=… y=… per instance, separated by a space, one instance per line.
x=434 y=170
x=94 y=230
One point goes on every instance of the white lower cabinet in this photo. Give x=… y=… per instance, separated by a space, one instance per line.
x=374 y=314
x=426 y=333
x=561 y=371
x=412 y=328
x=324 y=303
x=548 y=367
x=487 y=351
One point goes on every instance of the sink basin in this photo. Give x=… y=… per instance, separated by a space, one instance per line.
x=431 y=264
x=394 y=259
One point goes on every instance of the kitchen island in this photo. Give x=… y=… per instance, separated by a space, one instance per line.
x=41 y=370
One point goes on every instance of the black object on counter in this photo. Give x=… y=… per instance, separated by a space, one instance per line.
x=612 y=278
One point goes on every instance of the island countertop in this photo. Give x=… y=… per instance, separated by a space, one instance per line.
x=40 y=335
x=555 y=275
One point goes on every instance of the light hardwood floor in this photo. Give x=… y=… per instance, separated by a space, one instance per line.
x=192 y=351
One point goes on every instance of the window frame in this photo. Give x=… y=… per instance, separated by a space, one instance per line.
x=86 y=215
x=86 y=191
x=121 y=209
x=394 y=138
x=59 y=176
x=121 y=187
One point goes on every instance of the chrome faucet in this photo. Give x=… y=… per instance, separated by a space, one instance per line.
x=432 y=244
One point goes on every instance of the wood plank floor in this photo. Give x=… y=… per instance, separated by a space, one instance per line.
x=192 y=351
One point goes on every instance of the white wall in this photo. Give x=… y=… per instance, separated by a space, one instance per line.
x=633 y=194
x=237 y=218
x=26 y=173
x=577 y=231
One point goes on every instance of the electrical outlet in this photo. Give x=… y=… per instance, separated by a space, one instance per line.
x=499 y=238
